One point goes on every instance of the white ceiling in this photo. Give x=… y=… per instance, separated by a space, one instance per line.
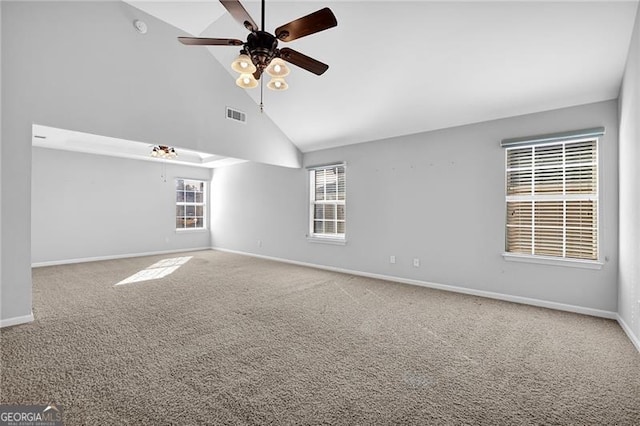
x=69 y=140
x=406 y=67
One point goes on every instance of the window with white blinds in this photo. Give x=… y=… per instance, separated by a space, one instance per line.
x=328 y=198
x=552 y=199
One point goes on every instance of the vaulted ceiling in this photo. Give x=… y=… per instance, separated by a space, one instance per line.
x=406 y=67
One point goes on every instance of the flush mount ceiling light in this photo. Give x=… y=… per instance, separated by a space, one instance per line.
x=261 y=51
x=164 y=151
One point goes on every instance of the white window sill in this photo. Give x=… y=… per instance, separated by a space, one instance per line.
x=190 y=230
x=555 y=261
x=327 y=240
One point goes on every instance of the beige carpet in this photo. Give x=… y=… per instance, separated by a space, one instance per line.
x=228 y=339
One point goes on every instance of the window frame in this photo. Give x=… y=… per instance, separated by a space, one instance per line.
x=185 y=204
x=329 y=238
x=587 y=135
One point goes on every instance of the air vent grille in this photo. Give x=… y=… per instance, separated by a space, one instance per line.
x=234 y=114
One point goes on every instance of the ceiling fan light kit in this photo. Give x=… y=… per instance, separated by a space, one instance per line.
x=278 y=68
x=243 y=64
x=247 y=81
x=277 y=84
x=260 y=53
x=164 y=151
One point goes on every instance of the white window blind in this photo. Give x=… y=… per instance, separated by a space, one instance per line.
x=552 y=198
x=328 y=199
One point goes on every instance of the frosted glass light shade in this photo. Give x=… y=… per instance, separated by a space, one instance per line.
x=277 y=68
x=278 y=84
x=247 y=81
x=243 y=64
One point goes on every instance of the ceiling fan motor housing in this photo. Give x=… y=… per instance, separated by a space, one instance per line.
x=262 y=48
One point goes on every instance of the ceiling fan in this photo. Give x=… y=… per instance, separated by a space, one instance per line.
x=260 y=53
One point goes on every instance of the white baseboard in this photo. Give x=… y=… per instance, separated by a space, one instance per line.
x=112 y=257
x=634 y=339
x=455 y=289
x=16 y=320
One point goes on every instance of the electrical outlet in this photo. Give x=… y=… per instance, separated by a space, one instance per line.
x=392 y=259
x=259 y=243
x=416 y=262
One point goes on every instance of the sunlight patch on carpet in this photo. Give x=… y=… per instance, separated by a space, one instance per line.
x=158 y=270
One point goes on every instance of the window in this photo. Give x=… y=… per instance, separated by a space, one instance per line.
x=190 y=204
x=328 y=196
x=552 y=196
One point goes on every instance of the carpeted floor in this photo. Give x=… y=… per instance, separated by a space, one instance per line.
x=228 y=339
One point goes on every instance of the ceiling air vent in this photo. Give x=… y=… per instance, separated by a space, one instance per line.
x=234 y=114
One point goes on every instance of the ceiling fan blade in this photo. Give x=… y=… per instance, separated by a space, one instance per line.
x=202 y=41
x=317 y=21
x=240 y=14
x=303 y=61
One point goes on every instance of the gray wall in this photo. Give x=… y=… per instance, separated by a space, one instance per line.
x=629 y=270
x=82 y=66
x=1 y=153
x=90 y=206
x=436 y=196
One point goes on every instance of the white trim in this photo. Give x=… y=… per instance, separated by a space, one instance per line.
x=16 y=320
x=326 y=166
x=454 y=289
x=327 y=240
x=191 y=230
x=555 y=261
x=112 y=257
x=634 y=339
x=552 y=138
